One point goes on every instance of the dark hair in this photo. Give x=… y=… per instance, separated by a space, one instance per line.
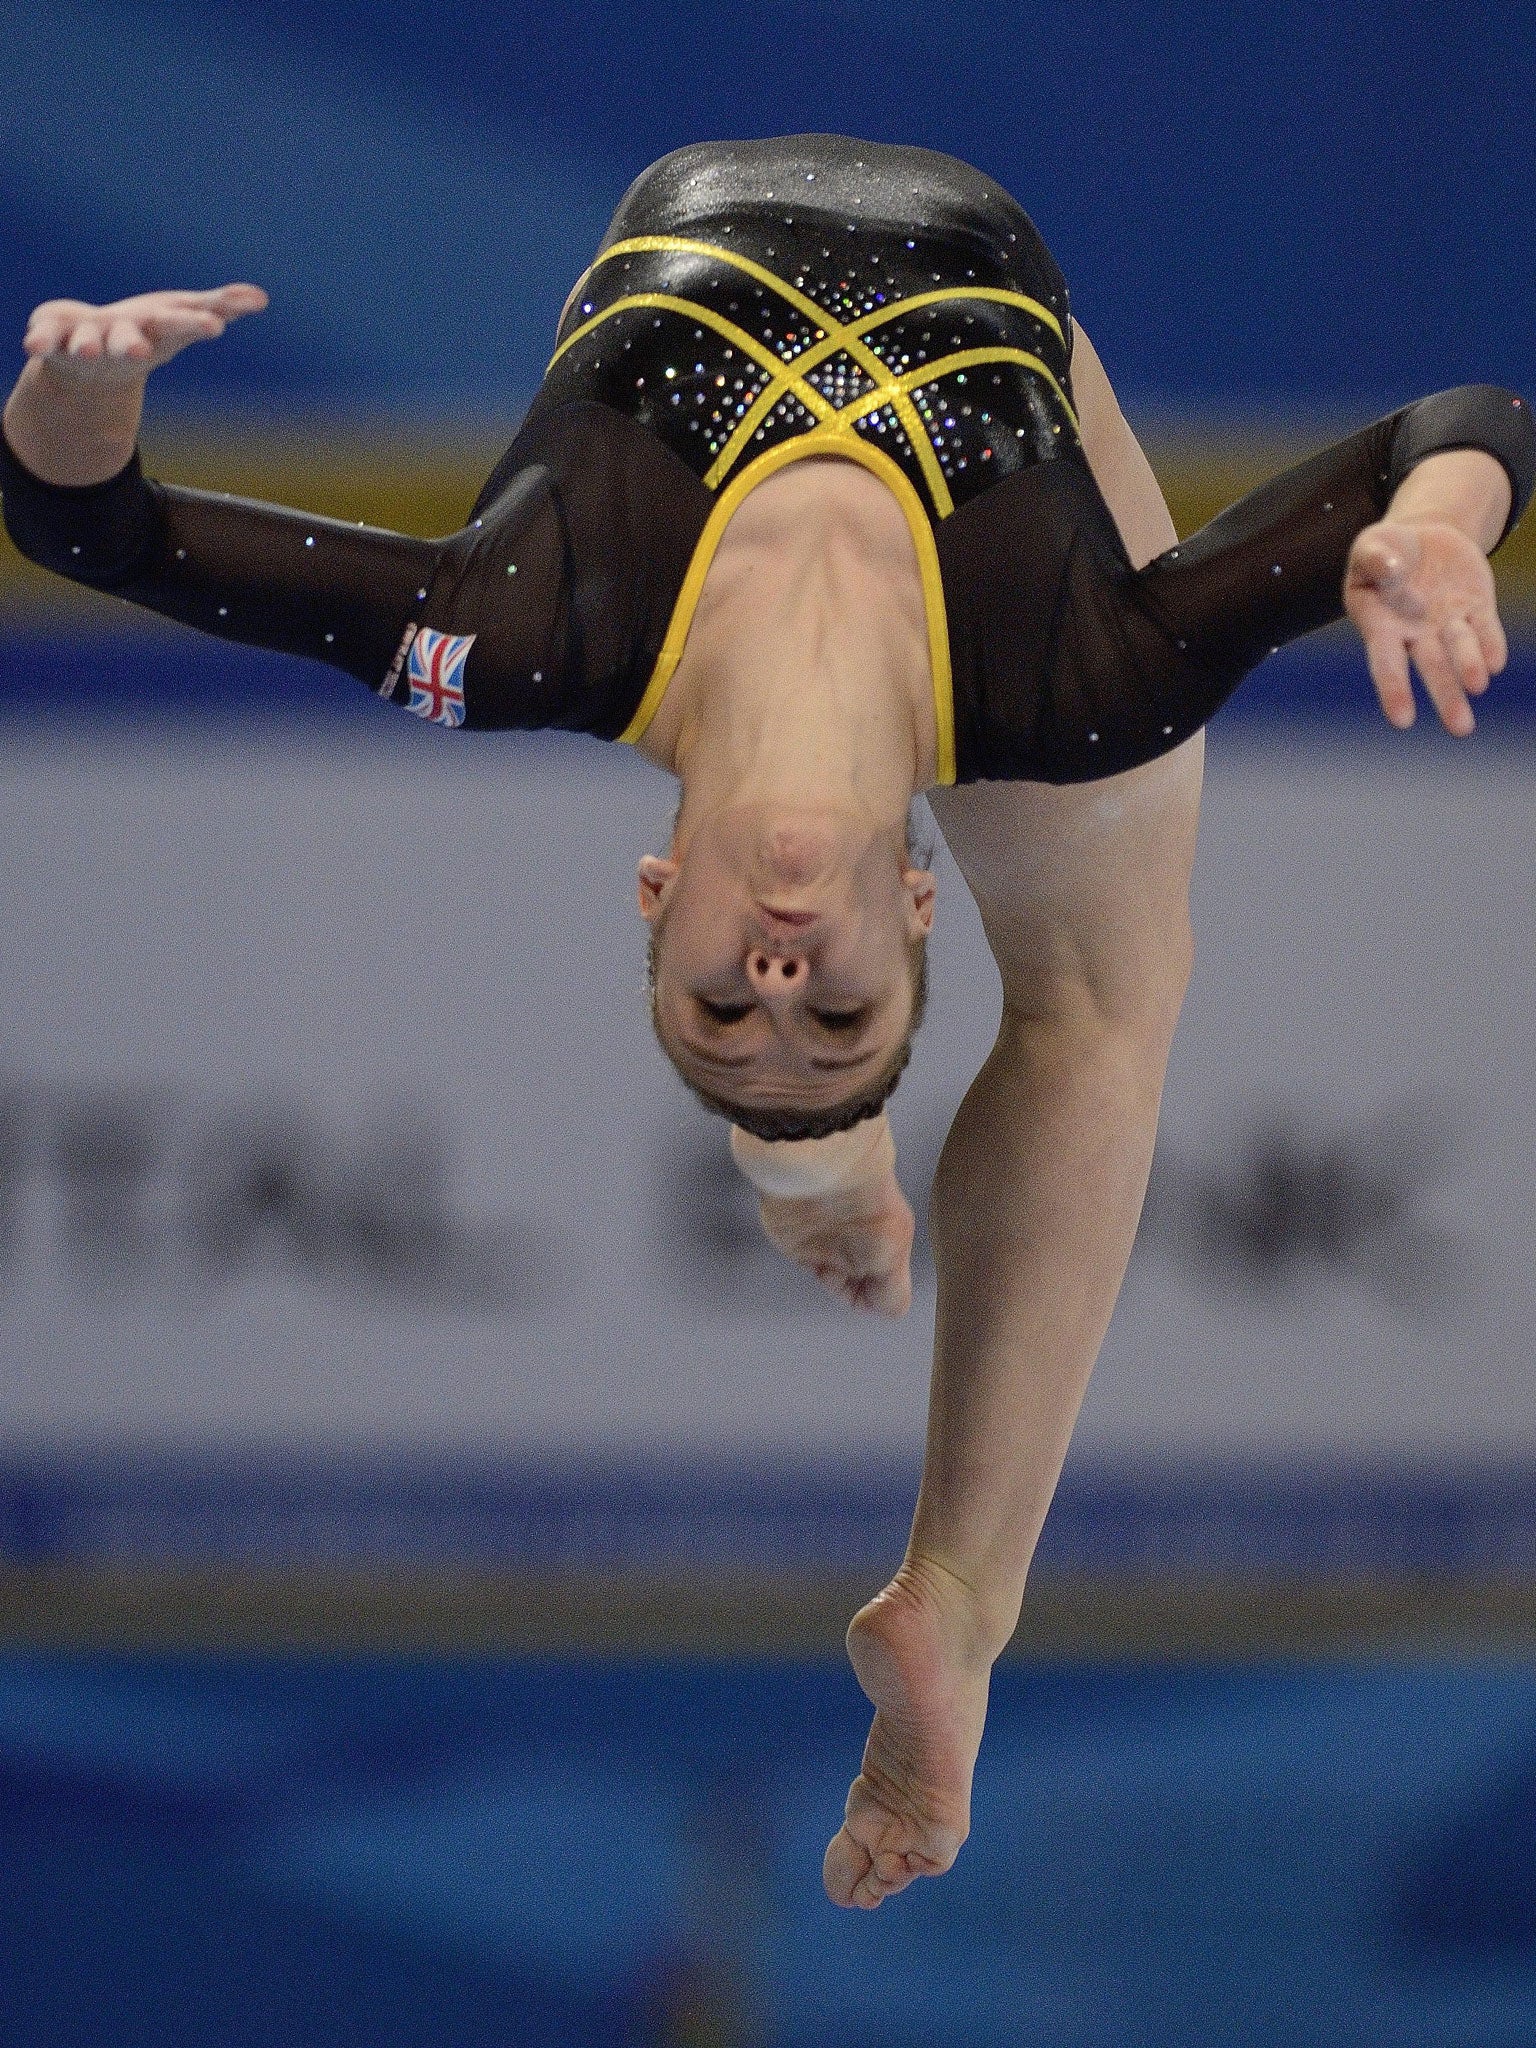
x=782 y=1126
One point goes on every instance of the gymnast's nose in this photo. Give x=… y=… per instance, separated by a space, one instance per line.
x=775 y=974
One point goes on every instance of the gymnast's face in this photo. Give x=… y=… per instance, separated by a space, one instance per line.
x=783 y=955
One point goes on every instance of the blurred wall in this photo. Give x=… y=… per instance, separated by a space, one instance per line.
x=331 y=1117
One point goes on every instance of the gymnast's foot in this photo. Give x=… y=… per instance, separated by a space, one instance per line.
x=913 y=1649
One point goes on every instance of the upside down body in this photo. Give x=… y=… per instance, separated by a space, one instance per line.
x=979 y=594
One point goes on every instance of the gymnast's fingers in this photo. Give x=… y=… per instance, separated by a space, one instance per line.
x=888 y=1294
x=241 y=298
x=85 y=338
x=225 y=301
x=1385 y=562
x=126 y=338
x=1489 y=628
x=1387 y=659
x=845 y=1867
x=49 y=326
x=1439 y=677
x=179 y=327
x=1464 y=651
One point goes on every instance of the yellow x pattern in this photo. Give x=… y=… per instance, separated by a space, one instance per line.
x=888 y=387
x=966 y=359
x=793 y=375
x=703 y=316
x=790 y=379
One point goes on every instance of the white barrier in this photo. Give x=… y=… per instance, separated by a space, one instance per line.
x=329 y=1118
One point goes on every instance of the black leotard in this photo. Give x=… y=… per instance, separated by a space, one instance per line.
x=752 y=304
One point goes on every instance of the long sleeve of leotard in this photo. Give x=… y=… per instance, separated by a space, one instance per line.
x=345 y=594
x=547 y=609
x=1085 y=667
x=232 y=566
x=1271 y=567
x=552 y=606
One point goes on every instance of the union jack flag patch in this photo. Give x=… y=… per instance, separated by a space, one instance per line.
x=435 y=673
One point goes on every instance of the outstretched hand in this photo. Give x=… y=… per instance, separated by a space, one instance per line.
x=857 y=1240
x=123 y=342
x=1423 y=592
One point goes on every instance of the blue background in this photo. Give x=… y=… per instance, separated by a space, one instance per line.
x=1257 y=207
x=350 y=1853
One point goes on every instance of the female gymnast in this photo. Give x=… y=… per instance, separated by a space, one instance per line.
x=825 y=501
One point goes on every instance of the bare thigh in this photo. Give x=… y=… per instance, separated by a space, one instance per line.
x=1083 y=888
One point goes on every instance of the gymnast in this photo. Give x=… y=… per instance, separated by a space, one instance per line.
x=825 y=501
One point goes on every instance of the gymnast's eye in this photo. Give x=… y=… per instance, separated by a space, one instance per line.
x=723 y=1013
x=840 y=1020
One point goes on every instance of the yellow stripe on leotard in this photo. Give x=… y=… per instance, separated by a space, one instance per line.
x=819 y=441
x=888 y=385
x=789 y=378
x=823 y=322
x=758 y=352
x=833 y=434
x=942 y=366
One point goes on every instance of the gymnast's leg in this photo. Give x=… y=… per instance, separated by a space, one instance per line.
x=1084 y=892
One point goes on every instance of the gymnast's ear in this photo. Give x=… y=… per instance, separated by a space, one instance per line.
x=921 y=889
x=656 y=873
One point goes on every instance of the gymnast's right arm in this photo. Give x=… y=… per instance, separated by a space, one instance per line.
x=77 y=502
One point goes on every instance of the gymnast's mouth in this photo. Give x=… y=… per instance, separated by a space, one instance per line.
x=796 y=919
